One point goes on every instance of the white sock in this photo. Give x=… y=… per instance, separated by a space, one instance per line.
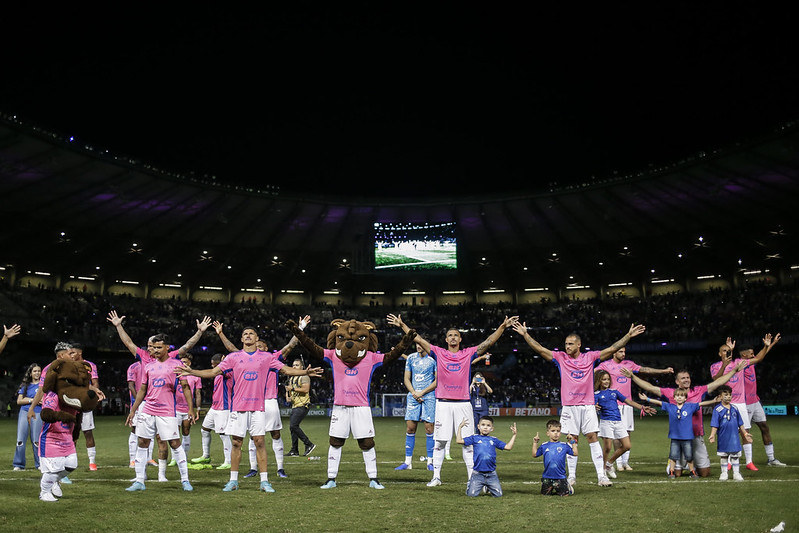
x=571 y=464
x=150 y=449
x=162 y=467
x=736 y=465
x=186 y=444
x=277 y=448
x=468 y=458
x=265 y=476
x=226 y=446
x=234 y=475
x=625 y=458
x=333 y=460
x=142 y=455
x=206 y=442
x=438 y=457
x=92 y=453
x=747 y=452
x=595 y=449
x=133 y=445
x=446 y=447
x=769 y=451
x=253 y=456
x=370 y=461
x=180 y=458
x=47 y=482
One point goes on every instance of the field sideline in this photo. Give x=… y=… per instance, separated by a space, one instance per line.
x=641 y=500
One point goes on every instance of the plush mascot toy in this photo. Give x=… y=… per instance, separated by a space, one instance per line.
x=66 y=394
x=352 y=354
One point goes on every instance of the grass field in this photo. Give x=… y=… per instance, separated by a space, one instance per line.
x=641 y=500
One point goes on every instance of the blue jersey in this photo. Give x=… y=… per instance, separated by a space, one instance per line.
x=554 y=459
x=422 y=369
x=728 y=421
x=607 y=400
x=485 y=453
x=680 y=423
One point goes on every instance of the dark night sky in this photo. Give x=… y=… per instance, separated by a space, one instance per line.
x=316 y=97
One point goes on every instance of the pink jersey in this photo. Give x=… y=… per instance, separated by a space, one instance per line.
x=270 y=392
x=736 y=382
x=576 y=377
x=180 y=399
x=222 y=395
x=249 y=372
x=56 y=437
x=144 y=356
x=351 y=385
x=453 y=372
x=162 y=382
x=695 y=395
x=135 y=376
x=619 y=381
x=44 y=373
x=750 y=385
x=92 y=369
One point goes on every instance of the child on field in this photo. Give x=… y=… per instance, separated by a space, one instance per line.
x=611 y=426
x=553 y=479
x=726 y=424
x=484 y=476
x=681 y=430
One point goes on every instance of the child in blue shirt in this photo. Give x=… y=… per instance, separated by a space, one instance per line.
x=553 y=479
x=681 y=430
x=727 y=426
x=484 y=476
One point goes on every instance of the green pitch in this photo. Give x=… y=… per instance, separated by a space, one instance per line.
x=641 y=500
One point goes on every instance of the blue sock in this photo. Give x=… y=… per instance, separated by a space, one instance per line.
x=410 y=444
x=431 y=444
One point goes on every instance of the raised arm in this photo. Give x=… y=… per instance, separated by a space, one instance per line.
x=7 y=334
x=645 y=398
x=634 y=331
x=116 y=321
x=726 y=377
x=649 y=370
x=396 y=320
x=512 y=441
x=293 y=342
x=202 y=325
x=768 y=344
x=229 y=346
x=521 y=329
x=494 y=337
x=726 y=359
x=645 y=385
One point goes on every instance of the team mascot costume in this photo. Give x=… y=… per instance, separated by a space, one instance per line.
x=66 y=394
x=352 y=354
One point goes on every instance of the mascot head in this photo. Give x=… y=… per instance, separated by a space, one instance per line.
x=70 y=381
x=351 y=339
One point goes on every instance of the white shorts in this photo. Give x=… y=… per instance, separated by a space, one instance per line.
x=756 y=412
x=242 y=422
x=87 y=421
x=216 y=420
x=576 y=419
x=272 y=410
x=728 y=454
x=701 y=457
x=744 y=414
x=181 y=416
x=166 y=427
x=627 y=416
x=449 y=416
x=612 y=429
x=356 y=419
x=137 y=415
x=54 y=465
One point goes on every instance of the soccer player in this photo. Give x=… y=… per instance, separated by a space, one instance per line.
x=623 y=384
x=484 y=475
x=158 y=416
x=134 y=375
x=695 y=395
x=216 y=418
x=553 y=479
x=420 y=381
x=195 y=387
x=298 y=391
x=738 y=385
x=727 y=424
x=753 y=406
x=577 y=391
x=453 y=369
x=87 y=418
x=249 y=369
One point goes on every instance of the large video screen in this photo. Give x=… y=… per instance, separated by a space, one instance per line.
x=415 y=247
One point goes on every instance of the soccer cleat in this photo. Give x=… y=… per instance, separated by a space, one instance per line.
x=151 y=462
x=430 y=467
x=776 y=462
x=572 y=481
x=172 y=463
x=223 y=466
x=293 y=453
x=435 y=482
x=375 y=484
x=404 y=466
x=137 y=485
x=66 y=481
x=282 y=473
x=47 y=497
x=251 y=473
x=604 y=482
x=201 y=460
x=266 y=487
x=93 y=467
x=132 y=464
x=56 y=490
x=187 y=486
x=162 y=479
x=671 y=474
x=724 y=475
x=309 y=449
x=737 y=477
x=329 y=484
x=230 y=486
x=610 y=471
x=448 y=457
x=693 y=475
x=625 y=466
x=752 y=467
x=191 y=466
